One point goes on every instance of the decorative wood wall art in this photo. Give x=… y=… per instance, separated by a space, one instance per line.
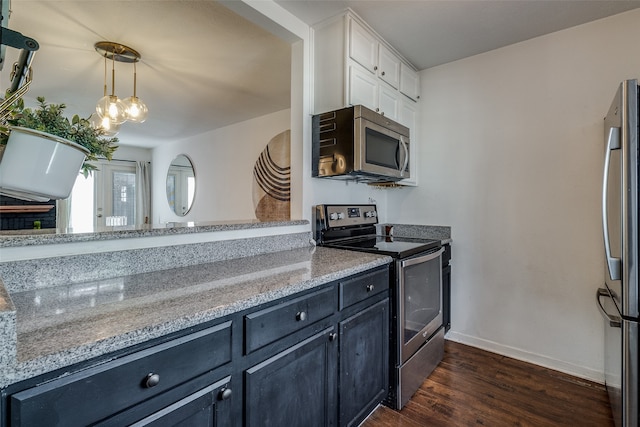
x=272 y=180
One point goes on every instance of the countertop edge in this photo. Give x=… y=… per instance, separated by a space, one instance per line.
x=15 y=372
x=54 y=236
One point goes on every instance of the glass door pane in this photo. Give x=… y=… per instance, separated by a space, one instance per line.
x=421 y=296
x=123 y=199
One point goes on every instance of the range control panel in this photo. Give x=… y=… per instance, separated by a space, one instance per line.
x=350 y=215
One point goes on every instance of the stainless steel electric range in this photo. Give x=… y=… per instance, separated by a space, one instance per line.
x=416 y=329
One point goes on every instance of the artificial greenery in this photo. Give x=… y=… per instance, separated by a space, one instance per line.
x=48 y=118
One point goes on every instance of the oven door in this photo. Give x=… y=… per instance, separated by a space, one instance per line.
x=420 y=301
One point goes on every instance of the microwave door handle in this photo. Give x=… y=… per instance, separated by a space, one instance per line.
x=406 y=154
x=613 y=143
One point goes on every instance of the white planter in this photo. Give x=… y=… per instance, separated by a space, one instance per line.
x=39 y=166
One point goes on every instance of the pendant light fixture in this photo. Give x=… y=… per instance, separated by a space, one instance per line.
x=110 y=109
x=107 y=126
x=135 y=109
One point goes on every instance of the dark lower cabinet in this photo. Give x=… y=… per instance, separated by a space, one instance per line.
x=135 y=385
x=209 y=406
x=364 y=362
x=446 y=288
x=316 y=358
x=296 y=387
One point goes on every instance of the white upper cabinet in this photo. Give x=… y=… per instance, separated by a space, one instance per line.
x=388 y=102
x=353 y=65
x=363 y=88
x=409 y=82
x=389 y=66
x=363 y=46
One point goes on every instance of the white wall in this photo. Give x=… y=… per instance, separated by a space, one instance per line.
x=511 y=157
x=223 y=161
x=125 y=152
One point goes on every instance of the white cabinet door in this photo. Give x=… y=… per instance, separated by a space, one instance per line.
x=388 y=101
x=363 y=87
x=388 y=66
x=363 y=46
x=409 y=82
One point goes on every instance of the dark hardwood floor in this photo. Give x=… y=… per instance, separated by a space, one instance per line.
x=476 y=387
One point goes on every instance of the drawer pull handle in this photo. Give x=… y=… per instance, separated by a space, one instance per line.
x=151 y=380
x=301 y=316
x=333 y=336
x=369 y=288
x=224 y=394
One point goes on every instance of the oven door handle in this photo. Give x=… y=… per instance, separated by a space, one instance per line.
x=421 y=259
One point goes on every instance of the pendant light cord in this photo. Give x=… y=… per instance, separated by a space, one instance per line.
x=135 y=78
x=113 y=74
x=105 y=74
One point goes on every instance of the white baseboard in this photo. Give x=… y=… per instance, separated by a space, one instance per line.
x=537 y=359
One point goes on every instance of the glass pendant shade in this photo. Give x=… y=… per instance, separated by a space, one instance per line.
x=103 y=123
x=136 y=110
x=112 y=107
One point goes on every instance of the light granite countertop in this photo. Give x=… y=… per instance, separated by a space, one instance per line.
x=15 y=238
x=65 y=324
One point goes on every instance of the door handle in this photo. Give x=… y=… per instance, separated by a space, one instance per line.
x=421 y=259
x=614 y=321
x=406 y=155
x=613 y=143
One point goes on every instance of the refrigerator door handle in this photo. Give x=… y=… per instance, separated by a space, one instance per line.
x=614 y=321
x=613 y=143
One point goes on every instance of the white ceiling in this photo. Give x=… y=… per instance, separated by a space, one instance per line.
x=204 y=67
x=434 y=32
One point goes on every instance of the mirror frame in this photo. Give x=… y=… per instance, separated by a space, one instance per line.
x=193 y=198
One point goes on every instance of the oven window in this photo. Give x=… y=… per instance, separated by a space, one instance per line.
x=422 y=299
x=381 y=149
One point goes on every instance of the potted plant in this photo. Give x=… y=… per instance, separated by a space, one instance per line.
x=45 y=151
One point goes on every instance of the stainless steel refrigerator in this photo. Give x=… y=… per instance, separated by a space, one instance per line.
x=619 y=299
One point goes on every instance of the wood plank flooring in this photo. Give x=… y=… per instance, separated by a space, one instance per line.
x=476 y=387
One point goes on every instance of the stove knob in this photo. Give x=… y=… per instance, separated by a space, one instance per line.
x=333 y=216
x=370 y=214
x=340 y=215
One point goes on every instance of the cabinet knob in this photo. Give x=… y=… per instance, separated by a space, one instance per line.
x=333 y=336
x=151 y=380
x=224 y=394
x=382 y=73
x=377 y=110
x=301 y=315
x=369 y=288
x=375 y=68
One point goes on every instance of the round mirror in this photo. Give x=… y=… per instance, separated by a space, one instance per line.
x=181 y=185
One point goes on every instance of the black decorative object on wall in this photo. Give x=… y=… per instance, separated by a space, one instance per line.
x=16 y=214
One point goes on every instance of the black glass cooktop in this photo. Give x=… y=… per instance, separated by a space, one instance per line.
x=398 y=247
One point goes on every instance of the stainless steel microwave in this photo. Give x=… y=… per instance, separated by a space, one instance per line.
x=356 y=143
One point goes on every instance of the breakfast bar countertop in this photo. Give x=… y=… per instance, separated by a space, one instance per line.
x=48 y=328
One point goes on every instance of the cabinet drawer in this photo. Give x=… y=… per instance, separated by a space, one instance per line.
x=109 y=388
x=362 y=287
x=266 y=326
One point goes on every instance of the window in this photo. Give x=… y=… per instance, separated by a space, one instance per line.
x=107 y=197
